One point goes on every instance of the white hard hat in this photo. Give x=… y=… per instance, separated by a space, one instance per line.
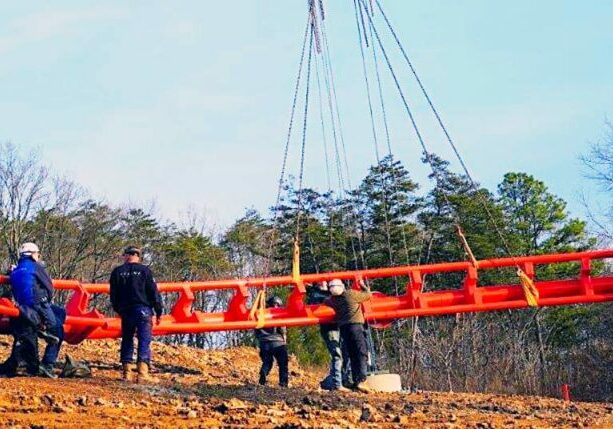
x=28 y=249
x=336 y=287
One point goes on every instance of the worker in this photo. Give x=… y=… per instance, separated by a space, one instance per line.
x=273 y=347
x=350 y=319
x=135 y=297
x=32 y=290
x=317 y=294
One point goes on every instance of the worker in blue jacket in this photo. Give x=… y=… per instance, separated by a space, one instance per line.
x=33 y=292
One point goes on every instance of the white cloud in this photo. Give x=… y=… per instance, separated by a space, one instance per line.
x=46 y=25
x=182 y=30
x=196 y=98
x=167 y=150
x=519 y=121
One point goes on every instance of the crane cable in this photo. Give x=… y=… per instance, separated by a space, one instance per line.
x=323 y=125
x=329 y=205
x=530 y=290
x=259 y=304
x=395 y=180
x=376 y=143
x=362 y=35
x=395 y=184
x=296 y=278
x=340 y=150
x=418 y=134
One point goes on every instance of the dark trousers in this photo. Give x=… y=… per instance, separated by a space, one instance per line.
x=136 y=320
x=25 y=348
x=346 y=368
x=47 y=316
x=53 y=350
x=353 y=337
x=25 y=344
x=270 y=353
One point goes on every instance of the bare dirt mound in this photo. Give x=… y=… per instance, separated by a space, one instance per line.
x=216 y=389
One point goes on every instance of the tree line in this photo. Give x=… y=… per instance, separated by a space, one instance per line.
x=386 y=220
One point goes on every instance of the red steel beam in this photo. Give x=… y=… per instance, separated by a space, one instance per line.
x=469 y=296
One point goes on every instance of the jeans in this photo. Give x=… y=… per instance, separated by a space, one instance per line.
x=47 y=316
x=136 y=320
x=53 y=350
x=332 y=338
x=353 y=336
x=270 y=352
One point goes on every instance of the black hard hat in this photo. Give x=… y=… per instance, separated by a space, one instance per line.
x=274 y=301
x=132 y=250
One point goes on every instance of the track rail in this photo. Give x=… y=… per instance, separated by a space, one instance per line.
x=467 y=296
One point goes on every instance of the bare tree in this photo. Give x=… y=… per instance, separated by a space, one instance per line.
x=599 y=161
x=23 y=193
x=599 y=168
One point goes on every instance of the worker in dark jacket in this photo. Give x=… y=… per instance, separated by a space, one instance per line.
x=318 y=294
x=135 y=297
x=33 y=292
x=350 y=318
x=273 y=346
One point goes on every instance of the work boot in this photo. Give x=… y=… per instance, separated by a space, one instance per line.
x=46 y=371
x=143 y=374
x=363 y=387
x=8 y=369
x=49 y=338
x=128 y=372
x=8 y=374
x=342 y=389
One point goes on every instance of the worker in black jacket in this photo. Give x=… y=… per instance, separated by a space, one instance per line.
x=273 y=346
x=317 y=294
x=135 y=297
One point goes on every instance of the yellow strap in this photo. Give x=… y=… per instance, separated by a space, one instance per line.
x=466 y=246
x=296 y=263
x=258 y=309
x=530 y=291
x=255 y=305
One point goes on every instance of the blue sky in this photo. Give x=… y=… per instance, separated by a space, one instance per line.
x=186 y=103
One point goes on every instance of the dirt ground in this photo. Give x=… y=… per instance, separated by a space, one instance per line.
x=216 y=389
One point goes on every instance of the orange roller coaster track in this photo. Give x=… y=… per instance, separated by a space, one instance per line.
x=469 y=296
